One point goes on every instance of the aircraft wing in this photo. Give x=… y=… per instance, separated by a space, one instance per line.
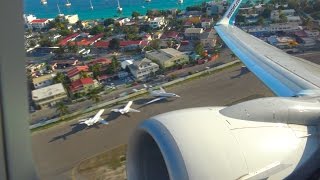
x=127 y=107
x=155 y=100
x=97 y=116
x=284 y=74
x=162 y=90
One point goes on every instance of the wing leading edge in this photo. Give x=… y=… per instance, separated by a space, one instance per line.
x=284 y=74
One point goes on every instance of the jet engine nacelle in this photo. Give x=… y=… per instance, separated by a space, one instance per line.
x=203 y=143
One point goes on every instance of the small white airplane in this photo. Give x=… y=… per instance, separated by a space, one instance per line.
x=126 y=109
x=160 y=94
x=97 y=118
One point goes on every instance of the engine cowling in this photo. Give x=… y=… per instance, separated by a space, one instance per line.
x=202 y=143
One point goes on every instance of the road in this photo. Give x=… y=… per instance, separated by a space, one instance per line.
x=60 y=148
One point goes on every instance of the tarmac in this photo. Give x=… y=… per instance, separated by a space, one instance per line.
x=57 y=150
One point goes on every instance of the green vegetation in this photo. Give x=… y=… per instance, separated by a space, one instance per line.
x=199 y=49
x=114 y=44
x=97 y=30
x=62 y=109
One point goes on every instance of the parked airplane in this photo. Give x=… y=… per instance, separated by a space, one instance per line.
x=160 y=94
x=266 y=138
x=97 y=118
x=126 y=109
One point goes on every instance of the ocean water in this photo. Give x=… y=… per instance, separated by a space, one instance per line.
x=101 y=8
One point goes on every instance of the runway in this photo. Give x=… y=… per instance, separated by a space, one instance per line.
x=57 y=150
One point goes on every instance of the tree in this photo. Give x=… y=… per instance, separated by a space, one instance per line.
x=83 y=74
x=93 y=95
x=114 y=44
x=45 y=42
x=79 y=25
x=62 y=109
x=283 y=18
x=155 y=43
x=114 y=66
x=96 y=30
x=135 y=14
x=96 y=70
x=199 y=49
x=108 y=22
x=59 y=78
x=32 y=43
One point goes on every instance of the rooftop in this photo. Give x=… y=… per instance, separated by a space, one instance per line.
x=165 y=54
x=78 y=84
x=43 y=78
x=75 y=70
x=193 y=30
x=47 y=92
x=39 y=21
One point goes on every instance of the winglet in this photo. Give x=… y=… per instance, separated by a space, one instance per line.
x=230 y=16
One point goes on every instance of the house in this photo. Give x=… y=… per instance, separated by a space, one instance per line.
x=43 y=81
x=39 y=23
x=126 y=45
x=75 y=72
x=83 y=85
x=65 y=40
x=206 y=23
x=193 y=33
x=170 y=35
x=275 y=14
x=48 y=96
x=167 y=57
x=282 y=42
x=72 y=19
x=157 y=22
x=209 y=39
x=312 y=33
x=143 y=69
x=101 y=61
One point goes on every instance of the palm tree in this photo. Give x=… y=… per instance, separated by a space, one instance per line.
x=96 y=70
x=94 y=96
x=83 y=74
x=59 y=78
x=62 y=109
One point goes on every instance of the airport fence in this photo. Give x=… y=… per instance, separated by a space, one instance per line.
x=120 y=99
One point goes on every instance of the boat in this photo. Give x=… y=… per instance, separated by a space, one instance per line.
x=68 y=3
x=91 y=7
x=180 y=1
x=43 y=2
x=148 y=0
x=60 y=14
x=119 y=8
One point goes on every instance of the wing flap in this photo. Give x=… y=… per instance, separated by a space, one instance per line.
x=284 y=74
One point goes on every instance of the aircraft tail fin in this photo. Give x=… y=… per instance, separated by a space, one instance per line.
x=230 y=16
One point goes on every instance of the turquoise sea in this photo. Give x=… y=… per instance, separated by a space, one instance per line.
x=101 y=8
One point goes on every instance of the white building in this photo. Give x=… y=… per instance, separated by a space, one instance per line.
x=157 y=22
x=285 y=27
x=143 y=69
x=276 y=13
x=28 y=18
x=39 y=23
x=43 y=81
x=193 y=33
x=49 y=96
x=72 y=19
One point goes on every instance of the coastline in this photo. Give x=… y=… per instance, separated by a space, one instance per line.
x=102 y=8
